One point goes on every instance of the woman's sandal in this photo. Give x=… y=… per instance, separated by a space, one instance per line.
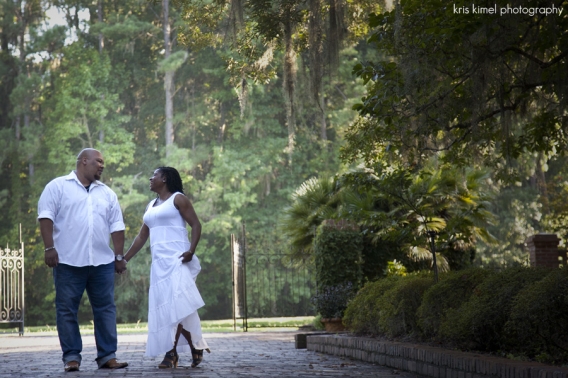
x=197 y=355
x=170 y=360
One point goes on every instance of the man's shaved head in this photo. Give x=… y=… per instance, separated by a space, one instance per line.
x=90 y=165
x=86 y=153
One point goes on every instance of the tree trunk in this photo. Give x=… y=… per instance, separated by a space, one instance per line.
x=193 y=124
x=541 y=183
x=101 y=46
x=100 y=18
x=168 y=79
x=221 y=135
x=289 y=84
x=315 y=34
x=323 y=122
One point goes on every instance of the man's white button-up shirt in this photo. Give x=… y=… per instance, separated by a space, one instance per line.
x=82 y=220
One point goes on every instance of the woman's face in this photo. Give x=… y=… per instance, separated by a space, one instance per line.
x=157 y=181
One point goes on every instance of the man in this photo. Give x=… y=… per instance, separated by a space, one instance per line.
x=77 y=213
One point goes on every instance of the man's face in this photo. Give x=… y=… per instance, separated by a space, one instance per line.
x=95 y=165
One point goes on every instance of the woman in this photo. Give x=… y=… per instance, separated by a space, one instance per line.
x=174 y=298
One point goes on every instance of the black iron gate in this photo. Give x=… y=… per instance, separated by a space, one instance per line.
x=278 y=287
x=267 y=285
x=12 y=285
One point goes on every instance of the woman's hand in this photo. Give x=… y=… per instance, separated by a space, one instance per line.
x=186 y=256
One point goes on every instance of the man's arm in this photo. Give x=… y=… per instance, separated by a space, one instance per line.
x=51 y=256
x=118 y=243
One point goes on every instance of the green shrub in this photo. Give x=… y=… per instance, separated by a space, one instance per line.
x=538 y=324
x=337 y=254
x=479 y=323
x=453 y=289
x=377 y=258
x=363 y=312
x=400 y=304
x=332 y=301
x=318 y=325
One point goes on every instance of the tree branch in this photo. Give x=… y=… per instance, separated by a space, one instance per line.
x=534 y=59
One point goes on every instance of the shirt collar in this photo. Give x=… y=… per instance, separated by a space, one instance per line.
x=73 y=176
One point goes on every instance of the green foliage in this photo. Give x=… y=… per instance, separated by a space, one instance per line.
x=518 y=212
x=318 y=325
x=480 y=322
x=395 y=268
x=518 y=311
x=312 y=203
x=538 y=322
x=461 y=83
x=453 y=290
x=399 y=306
x=331 y=301
x=380 y=259
x=337 y=254
x=395 y=210
x=402 y=206
x=364 y=311
x=65 y=93
x=173 y=62
x=231 y=133
x=86 y=107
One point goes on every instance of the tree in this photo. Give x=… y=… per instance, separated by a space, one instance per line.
x=400 y=206
x=436 y=213
x=480 y=87
x=98 y=81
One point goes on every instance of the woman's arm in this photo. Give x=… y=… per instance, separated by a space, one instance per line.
x=187 y=212
x=138 y=242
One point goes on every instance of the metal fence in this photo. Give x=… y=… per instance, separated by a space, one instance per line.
x=267 y=285
x=278 y=287
x=12 y=286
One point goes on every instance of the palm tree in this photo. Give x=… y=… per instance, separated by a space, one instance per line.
x=313 y=202
x=400 y=206
x=450 y=203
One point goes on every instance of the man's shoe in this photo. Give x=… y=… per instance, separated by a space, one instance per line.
x=114 y=364
x=72 y=366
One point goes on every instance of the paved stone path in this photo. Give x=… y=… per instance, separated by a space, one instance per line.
x=252 y=354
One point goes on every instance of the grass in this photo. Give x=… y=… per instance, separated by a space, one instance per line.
x=255 y=324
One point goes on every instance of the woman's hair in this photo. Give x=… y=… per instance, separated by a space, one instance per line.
x=173 y=179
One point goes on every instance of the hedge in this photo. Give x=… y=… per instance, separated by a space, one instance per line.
x=454 y=289
x=518 y=311
x=337 y=254
x=479 y=323
x=399 y=305
x=538 y=323
x=363 y=312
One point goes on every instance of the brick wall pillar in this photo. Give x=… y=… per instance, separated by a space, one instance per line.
x=543 y=250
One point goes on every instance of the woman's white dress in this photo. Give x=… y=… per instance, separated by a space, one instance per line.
x=173 y=297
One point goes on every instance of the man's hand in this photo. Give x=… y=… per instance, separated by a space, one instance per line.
x=120 y=266
x=186 y=256
x=51 y=258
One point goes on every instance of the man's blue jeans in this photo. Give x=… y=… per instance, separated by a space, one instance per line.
x=70 y=284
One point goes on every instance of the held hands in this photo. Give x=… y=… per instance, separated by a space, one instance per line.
x=120 y=266
x=186 y=256
x=51 y=258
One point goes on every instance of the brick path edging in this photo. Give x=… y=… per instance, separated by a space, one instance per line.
x=430 y=361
